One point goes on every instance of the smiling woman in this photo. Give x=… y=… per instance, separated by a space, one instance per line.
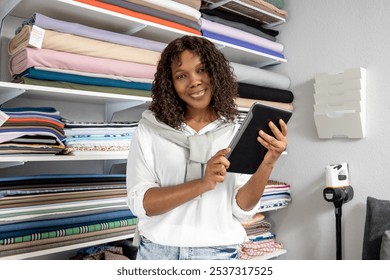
x=187 y=203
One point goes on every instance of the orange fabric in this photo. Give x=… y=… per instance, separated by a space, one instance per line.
x=139 y=15
x=37 y=120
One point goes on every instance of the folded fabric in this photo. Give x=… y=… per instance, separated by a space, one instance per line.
x=240 y=35
x=244 y=44
x=247 y=103
x=264 y=93
x=238 y=18
x=261 y=77
x=273 y=13
x=80 y=79
x=80 y=45
x=240 y=26
x=170 y=7
x=49 y=23
x=50 y=179
x=123 y=10
x=153 y=12
x=69 y=231
x=192 y=3
x=97 y=75
x=265 y=5
x=34 y=57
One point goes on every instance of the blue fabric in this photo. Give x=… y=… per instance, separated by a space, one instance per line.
x=62 y=176
x=80 y=79
x=35 y=131
x=240 y=43
x=30 y=109
x=24 y=228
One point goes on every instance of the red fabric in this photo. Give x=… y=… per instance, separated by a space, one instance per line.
x=139 y=15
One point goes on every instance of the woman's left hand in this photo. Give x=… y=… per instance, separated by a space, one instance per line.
x=275 y=145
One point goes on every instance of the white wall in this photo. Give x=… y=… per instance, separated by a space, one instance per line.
x=330 y=36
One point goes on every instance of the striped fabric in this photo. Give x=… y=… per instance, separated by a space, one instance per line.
x=69 y=231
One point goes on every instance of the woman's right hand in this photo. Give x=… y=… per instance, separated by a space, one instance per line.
x=216 y=169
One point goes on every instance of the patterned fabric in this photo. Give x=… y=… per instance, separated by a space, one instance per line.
x=253 y=249
x=69 y=231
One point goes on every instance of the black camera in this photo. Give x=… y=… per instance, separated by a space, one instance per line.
x=338 y=195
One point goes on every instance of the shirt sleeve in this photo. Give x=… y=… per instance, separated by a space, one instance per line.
x=139 y=177
x=239 y=213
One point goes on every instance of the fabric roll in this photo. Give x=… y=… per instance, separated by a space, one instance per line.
x=265 y=5
x=192 y=3
x=260 y=16
x=124 y=11
x=49 y=23
x=69 y=231
x=237 y=42
x=75 y=86
x=240 y=26
x=97 y=75
x=237 y=34
x=247 y=103
x=153 y=12
x=82 y=79
x=265 y=93
x=238 y=18
x=261 y=77
x=37 y=245
x=170 y=7
x=23 y=228
x=33 y=57
x=277 y=3
x=81 y=45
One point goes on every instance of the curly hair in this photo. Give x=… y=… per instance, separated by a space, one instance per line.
x=166 y=104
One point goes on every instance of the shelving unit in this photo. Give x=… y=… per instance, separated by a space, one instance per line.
x=12 y=14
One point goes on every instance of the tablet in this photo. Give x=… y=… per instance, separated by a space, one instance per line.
x=246 y=152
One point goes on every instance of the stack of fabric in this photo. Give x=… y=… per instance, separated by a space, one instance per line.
x=273 y=10
x=261 y=240
x=234 y=22
x=276 y=195
x=51 y=52
x=261 y=85
x=183 y=15
x=98 y=137
x=226 y=23
x=42 y=210
x=31 y=130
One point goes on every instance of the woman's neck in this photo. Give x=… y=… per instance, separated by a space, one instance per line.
x=199 y=119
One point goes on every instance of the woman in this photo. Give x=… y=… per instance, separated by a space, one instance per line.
x=188 y=204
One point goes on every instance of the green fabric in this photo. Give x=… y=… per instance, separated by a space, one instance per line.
x=67 y=85
x=69 y=231
x=277 y=3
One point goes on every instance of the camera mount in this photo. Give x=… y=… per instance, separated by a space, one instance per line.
x=339 y=196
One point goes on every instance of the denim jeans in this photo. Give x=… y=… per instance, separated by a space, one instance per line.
x=151 y=251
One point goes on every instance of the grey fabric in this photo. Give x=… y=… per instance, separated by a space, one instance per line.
x=385 y=246
x=199 y=146
x=377 y=222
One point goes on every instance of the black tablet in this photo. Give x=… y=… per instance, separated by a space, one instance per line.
x=246 y=152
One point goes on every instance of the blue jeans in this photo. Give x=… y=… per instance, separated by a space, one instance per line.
x=151 y=251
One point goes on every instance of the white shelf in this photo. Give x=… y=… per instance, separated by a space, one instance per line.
x=11 y=90
x=59 y=249
x=72 y=11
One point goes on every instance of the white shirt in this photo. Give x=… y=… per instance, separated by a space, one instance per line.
x=212 y=219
